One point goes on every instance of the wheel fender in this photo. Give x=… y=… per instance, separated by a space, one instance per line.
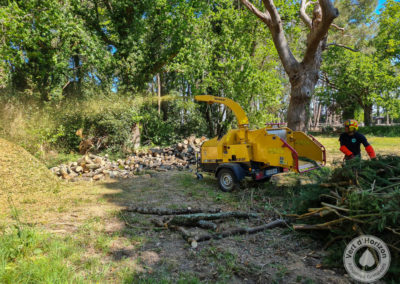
x=237 y=170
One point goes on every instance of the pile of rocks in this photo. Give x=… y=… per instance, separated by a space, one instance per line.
x=93 y=167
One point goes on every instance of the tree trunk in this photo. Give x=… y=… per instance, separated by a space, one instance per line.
x=78 y=72
x=302 y=88
x=368 y=115
x=164 y=91
x=159 y=93
x=135 y=135
x=209 y=121
x=316 y=122
x=303 y=75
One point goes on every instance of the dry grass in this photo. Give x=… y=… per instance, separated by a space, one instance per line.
x=21 y=172
x=39 y=197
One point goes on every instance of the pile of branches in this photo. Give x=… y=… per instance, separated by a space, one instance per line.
x=362 y=197
x=207 y=219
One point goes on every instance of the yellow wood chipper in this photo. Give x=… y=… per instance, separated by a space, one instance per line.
x=259 y=153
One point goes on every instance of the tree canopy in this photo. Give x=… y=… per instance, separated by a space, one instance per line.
x=59 y=49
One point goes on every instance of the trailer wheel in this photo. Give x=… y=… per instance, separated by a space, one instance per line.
x=227 y=180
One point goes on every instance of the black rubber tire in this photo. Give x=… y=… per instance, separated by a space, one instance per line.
x=227 y=180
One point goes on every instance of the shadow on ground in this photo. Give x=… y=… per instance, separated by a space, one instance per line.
x=275 y=256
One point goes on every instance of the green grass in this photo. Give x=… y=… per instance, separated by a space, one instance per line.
x=60 y=158
x=30 y=256
x=207 y=187
x=382 y=146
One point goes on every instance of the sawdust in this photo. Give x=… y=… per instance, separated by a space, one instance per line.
x=21 y=172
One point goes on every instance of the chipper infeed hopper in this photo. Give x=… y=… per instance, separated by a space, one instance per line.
x=259 y=153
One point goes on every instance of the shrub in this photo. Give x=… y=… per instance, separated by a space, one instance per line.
x=381 y=130
x=108 y=118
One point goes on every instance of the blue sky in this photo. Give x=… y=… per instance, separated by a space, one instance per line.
x=380 y=5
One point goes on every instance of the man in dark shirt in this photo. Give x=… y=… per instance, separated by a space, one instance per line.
x=351 y=140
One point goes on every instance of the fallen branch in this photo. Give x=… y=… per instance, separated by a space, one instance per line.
x=193 y=240
x=129 y=225
x=207 y=225
x=309 y=227
x=166 y=211
x=320 y=212
x=387 y=187
x=193 y=219
x=335 y=207
x=241 y=231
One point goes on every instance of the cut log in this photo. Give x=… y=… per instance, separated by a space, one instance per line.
x=179 y=146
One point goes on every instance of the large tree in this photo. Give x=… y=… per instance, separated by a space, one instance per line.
x=303 y=75
x=144 y=36
x=356 y=79
x=43 y=48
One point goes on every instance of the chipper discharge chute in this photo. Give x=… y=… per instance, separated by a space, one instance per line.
x=259 y=153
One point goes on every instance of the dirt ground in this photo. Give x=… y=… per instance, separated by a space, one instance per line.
x=274 y=256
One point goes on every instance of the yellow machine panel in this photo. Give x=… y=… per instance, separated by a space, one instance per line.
x=270 y=149
x=306 y=146
x=237 y=153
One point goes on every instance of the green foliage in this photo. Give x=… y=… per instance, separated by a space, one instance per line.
x=112 y=127
x=360 y=80
x=40 y=127
x=155 y=130
x=223 y=58
x=309 y=195
x=388 y=40
x=45 y=47
x=369 y=191
x=381 y=130
x=357 y=80
x=28 y=256
x=144 y=35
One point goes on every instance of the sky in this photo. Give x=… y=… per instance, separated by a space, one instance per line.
x=380 y=5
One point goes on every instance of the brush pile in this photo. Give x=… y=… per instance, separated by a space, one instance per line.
x=94 y=167
x=362 y=197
